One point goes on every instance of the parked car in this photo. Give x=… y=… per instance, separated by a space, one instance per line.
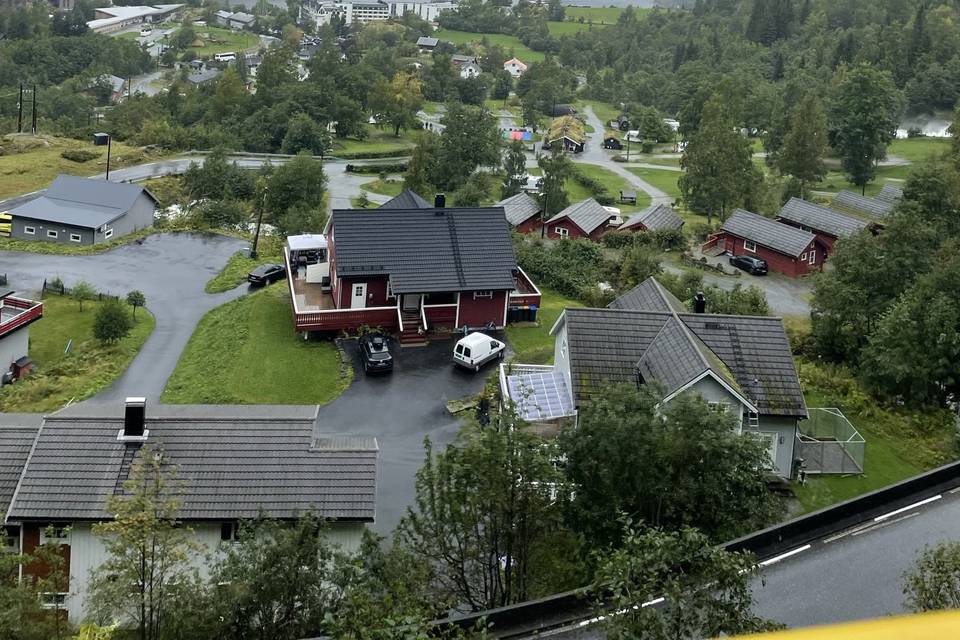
x=266 y=273
x=375 y=354
x=477 y=349
x=756 y=266
x=145 y=32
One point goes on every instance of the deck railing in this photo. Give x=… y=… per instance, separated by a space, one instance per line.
x=30 y=310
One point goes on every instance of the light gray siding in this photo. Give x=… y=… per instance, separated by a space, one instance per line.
x=785 y=430
x=140 y=216
x=561 y=354
x=19 y=227
x=12 y=347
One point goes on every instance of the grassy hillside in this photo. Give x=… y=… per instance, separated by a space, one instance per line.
x=509 y=43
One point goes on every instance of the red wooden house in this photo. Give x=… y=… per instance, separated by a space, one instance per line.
x=586 y=219
x=786 y=249
x=827 y=224
x=414 y=270
x=522 y=211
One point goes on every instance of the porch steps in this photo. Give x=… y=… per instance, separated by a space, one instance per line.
x=412 y=334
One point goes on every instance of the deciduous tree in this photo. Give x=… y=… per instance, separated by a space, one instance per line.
x=933 y=582
x=556 y=168
x=514 y=170
x=83 y=291
x=136 y=299
x=304 y=134
x=805 y=143
x=470 y=140
x=112 y=322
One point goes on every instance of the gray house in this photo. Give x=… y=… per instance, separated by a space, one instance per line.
x=84 y=211
x=741 y=364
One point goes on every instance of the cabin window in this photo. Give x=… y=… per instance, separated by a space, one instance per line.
x=75 y=237
x=813 y=256
x=30 y=231
x=749 y=246
x=803 y=257
x=482 y=294
x=51 y=233
x=229 y=531
x=718 y=407
x=108 y=234
x=562 y=232
x=389 y=289
x=55 y=534
x=52 y=600
x=11 y=539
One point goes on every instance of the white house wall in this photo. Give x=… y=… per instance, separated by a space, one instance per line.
x=13 y=346
x=561 y=355
x=87 y=553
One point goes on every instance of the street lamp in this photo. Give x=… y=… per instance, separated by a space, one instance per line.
x=256 y=234
x=101 y=139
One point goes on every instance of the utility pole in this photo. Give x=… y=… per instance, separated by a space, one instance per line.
x=34 y=125
x=256 y=234
x=20 y=111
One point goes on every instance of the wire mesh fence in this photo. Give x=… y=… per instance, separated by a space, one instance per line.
x=829 y=444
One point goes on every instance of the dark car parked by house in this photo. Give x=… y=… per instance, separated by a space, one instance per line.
x=266 y=273
x=375 y=354
x=752 y=265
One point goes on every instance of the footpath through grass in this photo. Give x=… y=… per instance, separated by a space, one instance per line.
x=534 y=345
x=900 y=443
x=88 y=368
x=247 y=352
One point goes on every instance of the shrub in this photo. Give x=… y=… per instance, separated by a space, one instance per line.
x=617 y=239
x=78 y=155
x=112 y=322
x=700 y=231
x=379 y=169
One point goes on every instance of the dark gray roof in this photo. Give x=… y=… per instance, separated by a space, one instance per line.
x=655 y=217
x=587 y=214
x=519 y=208
x=426 y=250
x=426 y=41
x=201 y=77
x=406 y=199
x=82 y=202
x=17 y=433
x=233 y=462
x=890 y=193
x=822 y=219
x=856 y=203
x=649 y=295
x=769 y=233
x=243 y=17
x=607 y=345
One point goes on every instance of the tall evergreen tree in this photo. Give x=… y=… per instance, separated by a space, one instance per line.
x=514 y=169
x=805 y=143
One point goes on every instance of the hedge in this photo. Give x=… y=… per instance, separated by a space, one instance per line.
x=376 y=169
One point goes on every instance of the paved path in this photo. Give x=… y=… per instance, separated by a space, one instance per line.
x=786 y=296
x=171 y=270
x=594 y=153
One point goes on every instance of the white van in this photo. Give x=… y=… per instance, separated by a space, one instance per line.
x=229 y=56
x=145 y=31
x=476 y=350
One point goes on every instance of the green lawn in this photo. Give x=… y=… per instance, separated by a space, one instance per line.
x=918 y=149
x=234 y=273
x=606 y=112
x=511 y=44
x=836 y=181
x=662 y=179
x=217 y=40
x=558 y=29
x=613 y=184
x=383 y=187
x=534 y=345
x=378 y=142
x=29 y=163
x=900 y=443
x=77 y=375
x=247 y=352
x=599 y=15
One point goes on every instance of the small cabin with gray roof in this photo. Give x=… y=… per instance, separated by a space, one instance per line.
x=827 y=224
x=865 y=205
x=584 y=219
x=742 y=364
x=658 y=217
x=84 y=211
x=522 y=211
x=789 y=250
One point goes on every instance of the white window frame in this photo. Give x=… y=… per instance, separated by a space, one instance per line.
x=30 y=231
x=749 y=245
x=813 y=256
x=76 y=237
x=108 y=234
x=486 y=293
x=51 y=233
x=390 y=289
x=53 y=599
x=63 y=538
x=718 y=407
x=563 y=232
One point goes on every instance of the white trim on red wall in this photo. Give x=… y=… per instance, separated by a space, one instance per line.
x=506 y=302
x=456 y=321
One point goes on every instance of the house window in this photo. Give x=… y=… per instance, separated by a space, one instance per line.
x=108 y=234
x=813 y=256
x=358 y=291
x=55 y=534
x=30 y=231
x=75 y=237
x=718 y=407
x=482 y=294
x=51 y=233
x=229 y=531
x=749 y=246
x=563 y=347
x=562 y=232
x=52 y=600
x=389 y=290
x=11 y=539
x=803 y=257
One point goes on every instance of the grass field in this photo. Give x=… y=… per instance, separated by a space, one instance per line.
x=511 y=44
x=606 y=112
x=534 y=345
x=598 y=15
x=567 y=28
x=235 y=272
x=383 y=187
x=217 y=40
x=918 y=149
x=378 y=142
x=613 y=184
x=662 y=179
x=32 y=162
x=900 y=443
x=836 y=181
x=247 y=352
x=79 y=374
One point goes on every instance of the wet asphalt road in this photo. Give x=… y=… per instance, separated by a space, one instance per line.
x=171 y=270
x=401 y=408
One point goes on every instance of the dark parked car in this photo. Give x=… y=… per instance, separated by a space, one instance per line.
x=375 y=354
x=266 y=273
x=756 y=266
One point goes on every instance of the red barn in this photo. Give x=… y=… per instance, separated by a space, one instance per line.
x=786 y=249
x=826 y=224
x=413 y=270
x=522 y=212
x=586 y=219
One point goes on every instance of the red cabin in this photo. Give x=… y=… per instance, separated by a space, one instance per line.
x=827 y=224
x=586 y=219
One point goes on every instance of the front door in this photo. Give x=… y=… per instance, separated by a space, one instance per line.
x=359 y=299
x=411 y=302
